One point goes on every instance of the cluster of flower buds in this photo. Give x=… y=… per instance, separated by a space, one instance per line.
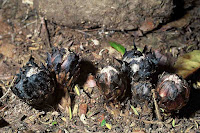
x=140 y=68
x=173 y=92
x=112 y=83
x=36 y=83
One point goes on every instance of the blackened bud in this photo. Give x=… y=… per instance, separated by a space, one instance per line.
x=141 y=90
x=34 y=84
x=65 y=64
x=62 y=60
x=140 y=65
x=112 y=83
x=173 y=91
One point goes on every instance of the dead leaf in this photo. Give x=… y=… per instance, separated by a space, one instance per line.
x=82 y=109
x=101 y=117
x=162 y=58
x=180 y=23
x=83 y=119
x=109 y=126
x=5 y=28
x=65 y=102
x=115 y=112
x=30 y=2
x=76 y=89
x=148 y=25
x=188 y=63
x=90 y=82
x=138 y=131
x=96 y=42
x=64 y=119
x=8 y=50
x=97 y=56
x=75 y=110
x=88 y=90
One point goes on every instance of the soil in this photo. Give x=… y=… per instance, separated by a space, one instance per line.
x=108 y=14
x=24 y=33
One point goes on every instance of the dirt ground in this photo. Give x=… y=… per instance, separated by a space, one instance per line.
x=108 y=14
x=24 y=33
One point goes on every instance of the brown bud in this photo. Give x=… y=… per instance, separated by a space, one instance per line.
x=173 y=91
x=112 y=83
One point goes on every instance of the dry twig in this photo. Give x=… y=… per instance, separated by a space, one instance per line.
x=8 y=89
x=157 y=111
x=45 y=30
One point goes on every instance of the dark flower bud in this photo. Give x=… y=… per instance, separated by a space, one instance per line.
x=34 y=84
x=139 y=65
x=141 y=90
x=63 y=60
x=173 y=91
x=65 y=63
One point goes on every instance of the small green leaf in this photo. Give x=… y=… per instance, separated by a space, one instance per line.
x=134 y=110
x=103 y=123
x=173 y=123
x=118 y=47
x=54 y=122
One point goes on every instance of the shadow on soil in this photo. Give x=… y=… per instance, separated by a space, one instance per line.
x=87 y=68
x=193 y=104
